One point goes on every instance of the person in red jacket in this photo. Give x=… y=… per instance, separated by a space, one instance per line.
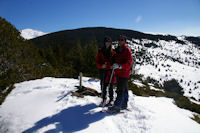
x=122 y=66
x=104 y=62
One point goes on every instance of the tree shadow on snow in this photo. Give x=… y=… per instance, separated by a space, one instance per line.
x=69 y=120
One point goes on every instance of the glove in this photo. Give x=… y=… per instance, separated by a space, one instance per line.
x=116 y=66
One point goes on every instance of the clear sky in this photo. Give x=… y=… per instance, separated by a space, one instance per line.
x=177 y=17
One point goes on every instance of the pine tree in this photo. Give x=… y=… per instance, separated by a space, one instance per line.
x=19 y=59
x=76 y=56
x=90 y=53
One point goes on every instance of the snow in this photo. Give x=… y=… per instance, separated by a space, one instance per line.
x=30 y=33
x=138 y=83
x=170 y=60
x=46 y=105
x=157 y=33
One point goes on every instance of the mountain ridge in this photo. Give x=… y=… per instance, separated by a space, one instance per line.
x=89 y=33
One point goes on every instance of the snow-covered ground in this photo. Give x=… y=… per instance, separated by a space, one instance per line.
x=46 y=105
x=30 y=33
x=170 y=60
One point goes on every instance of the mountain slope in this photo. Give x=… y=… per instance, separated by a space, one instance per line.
x=161 y=57
x=46 y=105
x=85 y=35
x=165 y=60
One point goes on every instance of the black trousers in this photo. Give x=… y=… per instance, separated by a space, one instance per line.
x=102 y=76
x=122 y=92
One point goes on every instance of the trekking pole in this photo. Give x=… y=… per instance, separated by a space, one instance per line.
x=102 y=85
x=110 y=78
x=109 y=83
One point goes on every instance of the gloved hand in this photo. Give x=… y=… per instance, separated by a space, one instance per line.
x=116 y=66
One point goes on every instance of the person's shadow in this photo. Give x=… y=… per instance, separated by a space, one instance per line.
x=69 y=120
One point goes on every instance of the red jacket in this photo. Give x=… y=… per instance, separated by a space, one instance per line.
x=124 y=58
x=101 y=59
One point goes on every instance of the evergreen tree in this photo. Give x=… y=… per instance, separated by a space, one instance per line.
x=19 y=59
x=76 y=56
x=90 y=53
x=173 y=86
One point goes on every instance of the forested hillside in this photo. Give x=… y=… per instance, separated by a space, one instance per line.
x=19 y=59
x=22 y=60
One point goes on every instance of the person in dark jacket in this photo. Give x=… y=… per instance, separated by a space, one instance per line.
x=104 y=62
x=122 y=65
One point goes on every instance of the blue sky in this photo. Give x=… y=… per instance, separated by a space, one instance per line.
x=177 y=17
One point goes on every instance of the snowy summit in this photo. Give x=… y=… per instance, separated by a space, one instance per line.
x=30 y=33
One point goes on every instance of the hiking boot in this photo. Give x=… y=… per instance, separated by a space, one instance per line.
x=124 y=106
x=113 y=110
x=108 y=104
x=102 y=104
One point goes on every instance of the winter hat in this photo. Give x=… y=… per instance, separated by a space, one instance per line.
x=107 y=39
x=122 y=37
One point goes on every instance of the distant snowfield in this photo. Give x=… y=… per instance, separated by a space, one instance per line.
x=46 y=105
x=30 y=33
x=171 y=60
